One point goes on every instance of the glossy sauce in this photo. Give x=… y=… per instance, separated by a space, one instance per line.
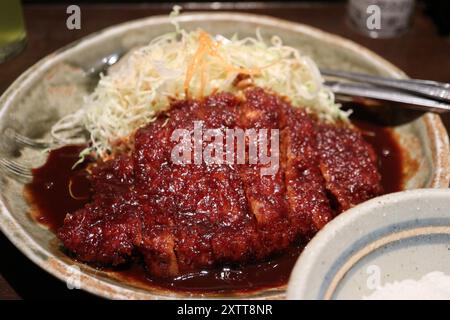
x=49 y=190
x=388 y=152
x=57 y=189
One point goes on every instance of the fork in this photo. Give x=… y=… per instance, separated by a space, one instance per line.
x=21 y=171
x=16 y=169
x=22 y=140
x=93 y=70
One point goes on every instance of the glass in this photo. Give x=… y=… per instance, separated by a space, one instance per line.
x=12 y=29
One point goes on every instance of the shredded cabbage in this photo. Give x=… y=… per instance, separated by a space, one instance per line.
x=194 y=64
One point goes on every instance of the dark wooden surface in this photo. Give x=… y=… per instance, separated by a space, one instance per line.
x=421 y=53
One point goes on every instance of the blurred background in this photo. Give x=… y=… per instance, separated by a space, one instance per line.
x=417 y=32
x=416 y=39
x=437 y=10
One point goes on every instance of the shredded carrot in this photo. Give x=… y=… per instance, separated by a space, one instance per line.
x=208 y=47
x=71 y=193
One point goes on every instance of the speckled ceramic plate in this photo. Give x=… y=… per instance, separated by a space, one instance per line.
x=395 y=237
x=56 y=85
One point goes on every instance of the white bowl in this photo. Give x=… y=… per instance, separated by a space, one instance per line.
x=399 y=236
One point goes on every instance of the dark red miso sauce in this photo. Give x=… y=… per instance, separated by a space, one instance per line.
x=57 y=189
x=388 y=151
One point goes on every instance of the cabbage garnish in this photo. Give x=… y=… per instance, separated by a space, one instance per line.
x=193 y=64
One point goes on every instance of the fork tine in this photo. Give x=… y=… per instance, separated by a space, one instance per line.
x=25 y=141
x=15 y=168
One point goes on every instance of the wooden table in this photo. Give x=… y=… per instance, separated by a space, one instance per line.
x=420 y=53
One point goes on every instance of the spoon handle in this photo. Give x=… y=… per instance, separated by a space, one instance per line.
x=432 y=89
x=388 y=94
